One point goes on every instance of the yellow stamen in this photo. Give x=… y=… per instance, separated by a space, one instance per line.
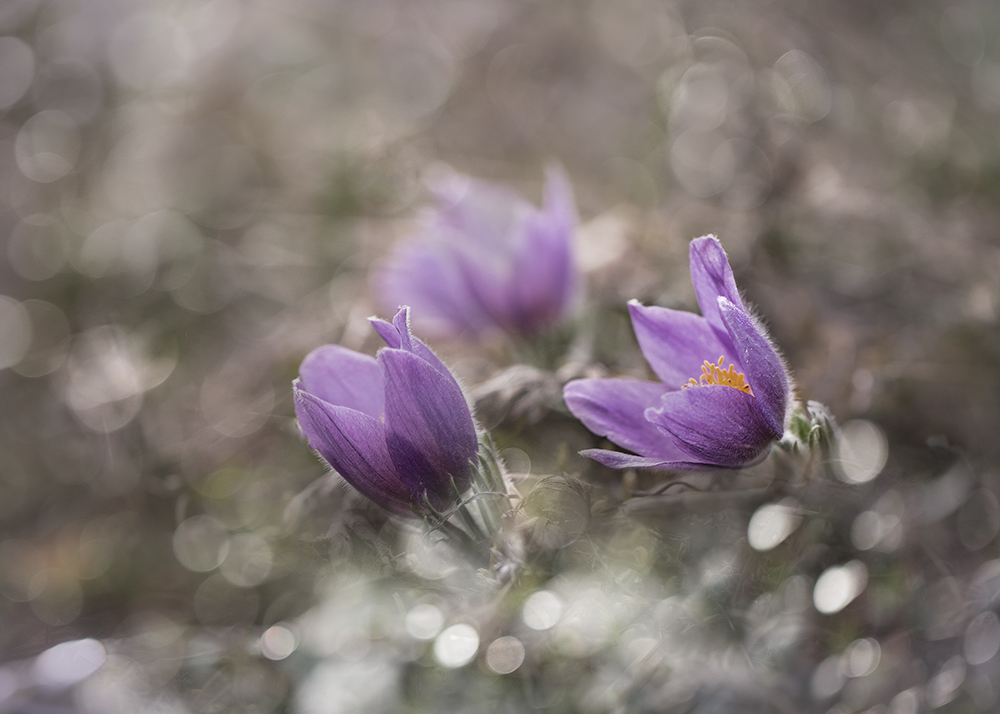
x=715 y=374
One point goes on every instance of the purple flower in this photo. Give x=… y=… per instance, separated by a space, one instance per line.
x=487 y=259
x=396 y=426
x=723 y=392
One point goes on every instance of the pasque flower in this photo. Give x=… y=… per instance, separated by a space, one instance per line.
x=396 y=426
x=723 y=393
x=487 y=259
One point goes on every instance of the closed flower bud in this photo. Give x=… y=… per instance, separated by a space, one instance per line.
x=395 y=426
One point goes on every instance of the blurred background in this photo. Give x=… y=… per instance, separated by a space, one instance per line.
x=192 y=197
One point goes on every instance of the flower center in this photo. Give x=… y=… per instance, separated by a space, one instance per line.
x=715 y=374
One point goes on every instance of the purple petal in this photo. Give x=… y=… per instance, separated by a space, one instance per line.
x=616 y=408
x=398 y=335
x=675 y=343
x=484 y=213
x=619 y=460
x=559 y=205
x=765 y=372
x=401 y=321
x=345 y=378
x=561 y=219
x=354 y=444
x=543 y=278
x=486 y=282
x=426 y=275
x=712 y=276
x=430 y=433
x=387 y=331
x=540 y=287
x=480 y=226
x=715 y=424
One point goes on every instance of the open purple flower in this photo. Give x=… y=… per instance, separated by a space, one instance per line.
x=396 y=426
x=723 y=392
x=487 y=260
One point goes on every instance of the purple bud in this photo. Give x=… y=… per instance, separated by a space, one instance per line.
x=488 y=260
x=723 y=393
x=396 y=426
